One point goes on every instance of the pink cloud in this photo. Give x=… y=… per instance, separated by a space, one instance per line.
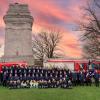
x=70 y=45
x=49 y=15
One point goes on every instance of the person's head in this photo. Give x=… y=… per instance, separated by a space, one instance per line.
x=36 y=75
x=87 y=70
x=51 y=75
x=15 y=82
x=90 y=72
x=16 y=75
x=49 y=80
x=10 y=81
x=60 y=75
x=24 y=74
x=56 y=76
x=38 y=70
x=60 y=80
x=42 y=70
x=20 y=75
x=96 y=71
x=32 y=75
x=10 y=75
x=18 y=81
x=53 y=79
x=46 y=75
x=2 y=66
x=13 y=66
x=15 y=71
x=28 y=75
x=66 y=75
x=29 y=70
x=41 y=75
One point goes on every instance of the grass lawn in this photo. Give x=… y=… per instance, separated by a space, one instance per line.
x=77 y=93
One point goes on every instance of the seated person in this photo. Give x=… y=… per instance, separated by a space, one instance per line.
x=14 y=84
x=18 y=83
x=69 y=83
x=10 y=84
x=28 y=84
x=35 y=84
x=23 y=84
x=31 y=83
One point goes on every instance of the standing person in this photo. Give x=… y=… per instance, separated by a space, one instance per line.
x=4 y=78
x=68 y=75
x=3 y=69
x=67 y=79
x=81 y=78
x=74 y=78
x=21 y=77
x=1 y=78
x=96 y=76
x=25 y=77
x=84 y=72
x=88 y=78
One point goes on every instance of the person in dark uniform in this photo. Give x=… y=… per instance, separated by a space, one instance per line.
x=24 y=77
x=16 y=77
x=81 y=78
x=22 y=71
x=61 y=83
x=3 y=69
x=85 y=77
x=13 y=69
x=88 y=78
x=64 y=83
x=20 y=77
x=18 y=84
x=49 y=84
x=96 y=76
x=10 y=84
x=74 y=78
x=46 y=77
x=51 y=76
x=37 y=77
x=19 y=71
x=29 y=77
x=11 y=81
x=29 y=71
x=56 y=78
x=1 y=77
x=54 y=83
x=4 y=78
x=14 y=86
x=33 y=76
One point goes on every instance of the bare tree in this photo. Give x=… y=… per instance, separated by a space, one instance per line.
x=45 y=44
x=91 y=31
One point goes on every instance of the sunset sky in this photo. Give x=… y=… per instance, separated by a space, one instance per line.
x=60 y=14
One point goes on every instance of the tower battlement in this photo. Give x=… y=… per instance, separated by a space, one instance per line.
x=18 y=13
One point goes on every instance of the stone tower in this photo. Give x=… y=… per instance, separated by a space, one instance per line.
x=18 y=34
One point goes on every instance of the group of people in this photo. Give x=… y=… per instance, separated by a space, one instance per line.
x=38 y=77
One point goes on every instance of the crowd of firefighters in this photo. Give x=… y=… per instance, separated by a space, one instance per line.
x=17 y=76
